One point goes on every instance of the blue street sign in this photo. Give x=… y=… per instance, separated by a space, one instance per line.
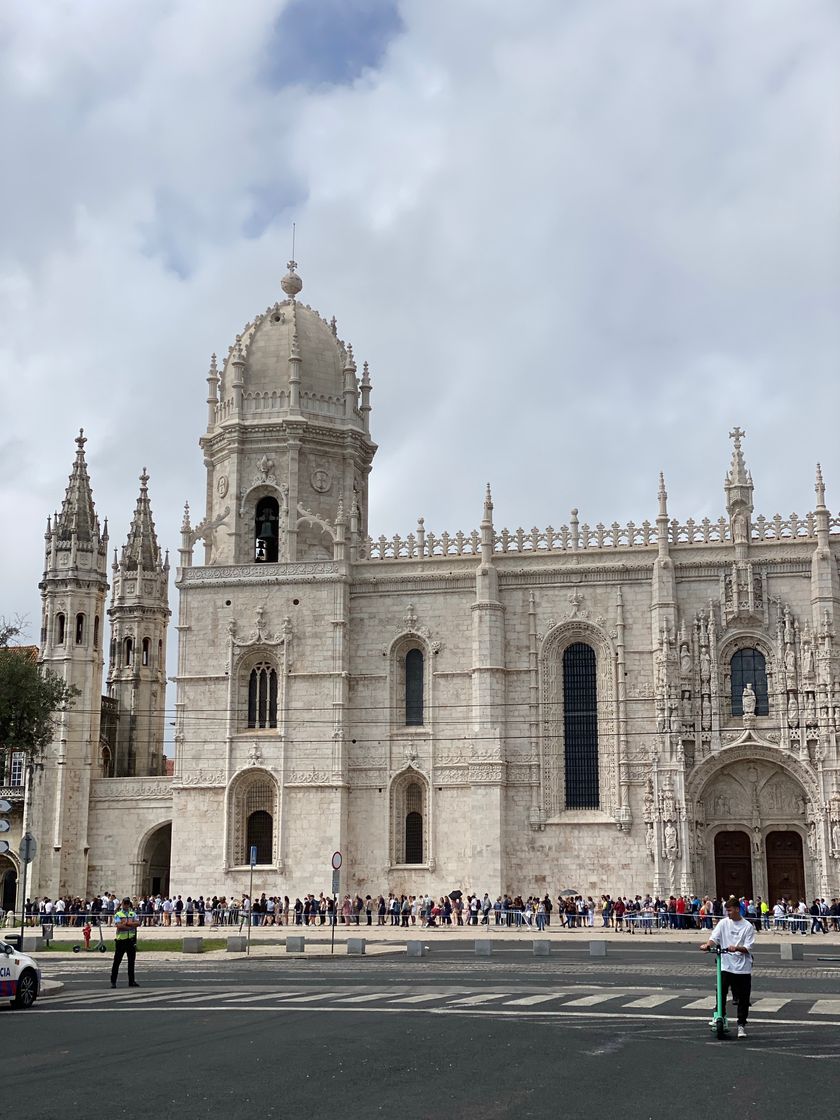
x=253 y=855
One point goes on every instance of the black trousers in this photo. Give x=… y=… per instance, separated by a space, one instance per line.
x=740 y=984
x=125 y=947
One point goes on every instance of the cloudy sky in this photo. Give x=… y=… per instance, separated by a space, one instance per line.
x=576 y=240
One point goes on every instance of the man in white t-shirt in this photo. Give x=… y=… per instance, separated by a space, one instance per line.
x=735 y=936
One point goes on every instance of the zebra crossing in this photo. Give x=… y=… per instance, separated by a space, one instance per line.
x=805 y=1007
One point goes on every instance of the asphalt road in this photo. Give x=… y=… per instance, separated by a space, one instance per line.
x=513 y=1035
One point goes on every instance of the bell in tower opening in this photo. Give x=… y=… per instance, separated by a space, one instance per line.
x=267 y=521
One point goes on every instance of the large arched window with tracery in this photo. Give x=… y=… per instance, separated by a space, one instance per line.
x=409 y=820
x=748 y=666
x=262 y=696
x=580 y=726
x=253 y=816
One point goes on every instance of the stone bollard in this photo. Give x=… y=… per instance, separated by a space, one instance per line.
x=597 y=948
x=237 y=944
x=295 y=944
x=792 y=952
x=356 y=946
x=193 y=945
x=416 y=949
x=483 y=948
x=542 y=948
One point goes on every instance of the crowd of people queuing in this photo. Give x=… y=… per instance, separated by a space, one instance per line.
x=640 y=913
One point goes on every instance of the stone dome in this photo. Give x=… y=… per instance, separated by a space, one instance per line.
x=260 y=360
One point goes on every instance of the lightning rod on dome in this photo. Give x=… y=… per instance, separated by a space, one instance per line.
x=291 y=282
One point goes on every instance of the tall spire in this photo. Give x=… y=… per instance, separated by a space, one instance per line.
x=738 y=486
x=141 y=550
x=738 y=483
x=78 y=516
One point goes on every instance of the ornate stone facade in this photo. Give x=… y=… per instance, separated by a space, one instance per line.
x=397 y=697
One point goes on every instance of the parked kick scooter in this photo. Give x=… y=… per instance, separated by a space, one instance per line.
x=102 y=947
x=719 y=1024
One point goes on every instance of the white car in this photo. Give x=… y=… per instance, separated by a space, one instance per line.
x=20 y=977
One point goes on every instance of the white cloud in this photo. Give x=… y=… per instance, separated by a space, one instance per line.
x=577 y=243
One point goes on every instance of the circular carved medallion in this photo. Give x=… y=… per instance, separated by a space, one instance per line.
x=321 y=481
x=222 y=486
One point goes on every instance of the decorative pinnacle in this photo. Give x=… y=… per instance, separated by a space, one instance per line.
x=185 y=521
x=663 y=496
x=488 y=503
x=819 y=486
x=144 y=480
x=214 y=371
x=81 y=440
x=291 y=282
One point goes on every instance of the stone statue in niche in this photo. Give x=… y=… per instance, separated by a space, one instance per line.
x=812 y=839
x=807 y=660
x=705 y=667
x=685 y=661
x=748 y=702
x=810 y=709
x=671 y=840
x=650 y=839
x=790 y=667
x=835 y=836
x=793 y=712
x=700 y=838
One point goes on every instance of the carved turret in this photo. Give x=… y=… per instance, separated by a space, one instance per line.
x=73 y=596
x=663 y=585
x=139 y=615
x=738 y=486
x=825 y=584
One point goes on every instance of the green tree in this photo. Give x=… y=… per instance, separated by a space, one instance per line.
x=30 y=697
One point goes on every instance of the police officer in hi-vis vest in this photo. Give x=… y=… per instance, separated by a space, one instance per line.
x=125 y=941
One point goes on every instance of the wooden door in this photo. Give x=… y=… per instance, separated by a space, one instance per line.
x=733 y=865
x=785 y=867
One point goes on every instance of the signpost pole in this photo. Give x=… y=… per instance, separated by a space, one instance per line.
x=253 y=860
x=28 y=848
x=335 y=863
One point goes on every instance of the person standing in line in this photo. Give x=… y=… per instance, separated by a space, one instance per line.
x=126 y=922
x=735 y=936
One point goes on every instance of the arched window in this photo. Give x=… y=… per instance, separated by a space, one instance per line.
x=262 y=696
x=253 y=812
x=128 y=651
x=259 y=834
x=414 y=688
x=146 y=652
x=96 y=632
x=580 y=726
x=80 y=629
x=414 y=824
x=409 y=820
x=266 y=531
x=749 y=666
x=160 y=654
x=60 y=624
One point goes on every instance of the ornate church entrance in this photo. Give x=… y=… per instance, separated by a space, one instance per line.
x=733 y=865
x=156 y=858
x=785 y=867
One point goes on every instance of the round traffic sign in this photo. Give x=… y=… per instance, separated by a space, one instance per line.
x=336 y=861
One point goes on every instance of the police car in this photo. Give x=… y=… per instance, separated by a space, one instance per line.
x=20 y=977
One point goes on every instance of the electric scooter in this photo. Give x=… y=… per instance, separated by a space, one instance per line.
x=719 y=1024
x=102 y=947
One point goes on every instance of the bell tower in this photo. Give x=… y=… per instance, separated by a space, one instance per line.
x=288 y=447
x=73 y=593
x=139 y=615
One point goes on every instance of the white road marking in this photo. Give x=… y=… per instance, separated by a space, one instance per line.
x=708 y=1003
x=526 y=1001
x=315 y=996
x=419 y=999
x=472 y=1001
x=651 y=1001
x=769 y=1004
x=590 y=1001
x=825 y=1007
